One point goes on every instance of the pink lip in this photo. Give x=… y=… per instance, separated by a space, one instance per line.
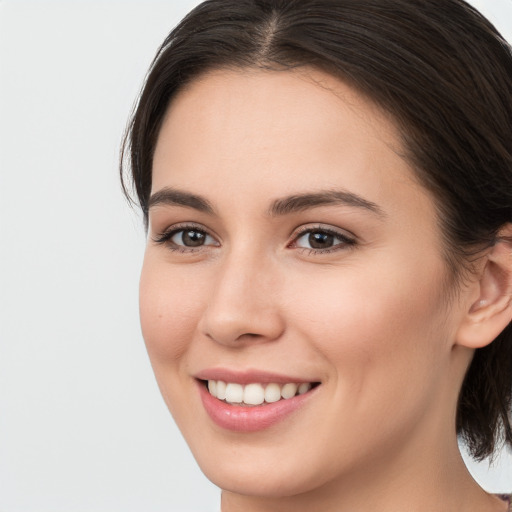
x=239 y=418
x=247 y=377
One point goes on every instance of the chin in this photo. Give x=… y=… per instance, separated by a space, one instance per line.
x=265 y=481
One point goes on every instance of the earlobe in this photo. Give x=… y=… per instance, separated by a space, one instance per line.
x=491 y=312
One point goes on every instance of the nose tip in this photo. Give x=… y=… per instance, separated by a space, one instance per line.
x=242 y=308
x=242 y=329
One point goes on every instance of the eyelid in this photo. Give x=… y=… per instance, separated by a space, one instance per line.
x=347 y=238
x=165 y=236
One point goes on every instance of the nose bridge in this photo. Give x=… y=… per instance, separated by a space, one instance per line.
x=243 y=304
x=238 y=272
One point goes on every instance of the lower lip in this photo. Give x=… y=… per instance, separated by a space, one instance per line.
x=238 y=418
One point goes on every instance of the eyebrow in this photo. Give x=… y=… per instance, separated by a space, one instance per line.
x=283 y=206
x=173 y=197
x=301 y=202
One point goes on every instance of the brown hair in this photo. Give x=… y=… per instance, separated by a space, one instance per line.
x=438 y=67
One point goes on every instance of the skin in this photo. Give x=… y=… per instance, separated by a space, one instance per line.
x=369 y=320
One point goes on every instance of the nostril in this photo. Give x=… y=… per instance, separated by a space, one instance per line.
x=236 y=318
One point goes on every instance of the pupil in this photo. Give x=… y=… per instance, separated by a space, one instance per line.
x=193 y=238
x=320 y=240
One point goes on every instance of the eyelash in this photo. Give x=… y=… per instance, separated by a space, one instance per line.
x=344 y=241
x=165 y=238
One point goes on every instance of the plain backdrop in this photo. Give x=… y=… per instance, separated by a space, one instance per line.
x=82 y=424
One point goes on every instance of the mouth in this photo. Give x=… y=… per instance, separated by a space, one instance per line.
x=255 y=393
x=252 y=401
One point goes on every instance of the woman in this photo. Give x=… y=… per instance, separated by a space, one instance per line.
x=326 y=291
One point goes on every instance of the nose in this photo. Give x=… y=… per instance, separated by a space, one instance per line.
x=243 y=304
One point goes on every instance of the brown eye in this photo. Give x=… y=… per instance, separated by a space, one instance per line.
x=186 y=239
x=190 y=238
x=320 y=240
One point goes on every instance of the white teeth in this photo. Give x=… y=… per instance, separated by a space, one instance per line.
x=255 y=393
x=304 y=388
x=234 y=393
x=289 y=390
x=272 y=393
x=221 y=390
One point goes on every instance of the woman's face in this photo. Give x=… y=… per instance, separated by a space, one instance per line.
x=289 y=244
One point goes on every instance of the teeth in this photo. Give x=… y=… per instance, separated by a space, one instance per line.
x=304 y=388
x=234 y=393
x=255 y=394
x=272 y=393
x=289 y=390
x=220 y=389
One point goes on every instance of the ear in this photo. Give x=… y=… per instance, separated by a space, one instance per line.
x=491 y=311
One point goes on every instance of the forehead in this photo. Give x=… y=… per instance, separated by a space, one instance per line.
x=277 y=131
x=305 y=97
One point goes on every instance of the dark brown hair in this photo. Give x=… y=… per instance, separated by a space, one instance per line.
x=443 y=73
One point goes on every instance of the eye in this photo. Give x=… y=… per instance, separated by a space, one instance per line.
x=322 y=240
x=185 y=238
x=190 y=238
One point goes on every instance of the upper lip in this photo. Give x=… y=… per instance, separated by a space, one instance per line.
x=248 y=376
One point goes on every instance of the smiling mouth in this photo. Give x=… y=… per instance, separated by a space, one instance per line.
x=255 y=394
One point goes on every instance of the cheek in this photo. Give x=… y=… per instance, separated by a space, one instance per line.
x=376 y=325
x=383 y=339
x=170 y=303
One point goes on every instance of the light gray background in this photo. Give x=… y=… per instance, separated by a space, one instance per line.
x=82 y=424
